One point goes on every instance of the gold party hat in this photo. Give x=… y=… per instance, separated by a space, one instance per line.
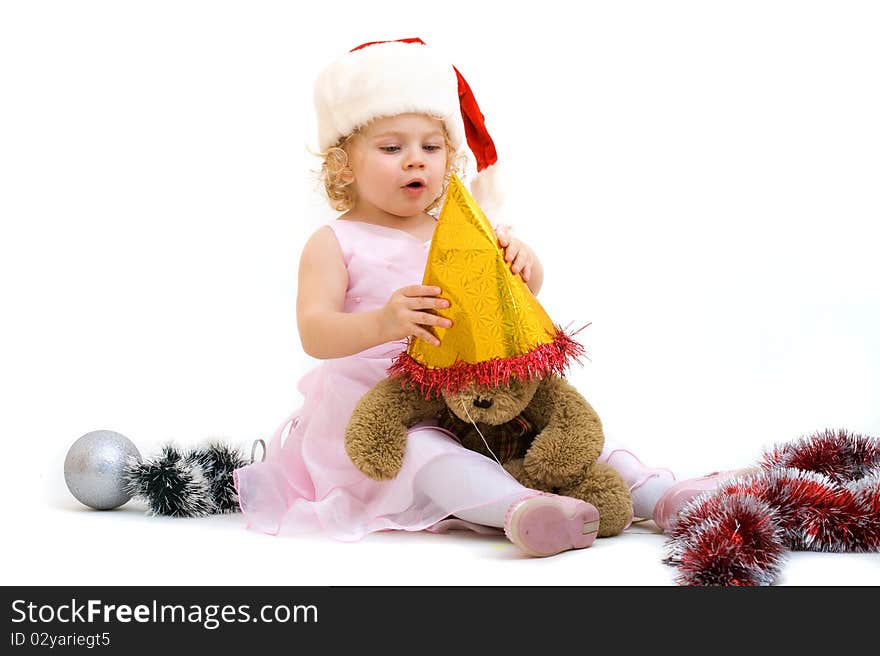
x=499 y=330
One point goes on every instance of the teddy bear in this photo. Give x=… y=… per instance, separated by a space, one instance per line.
x=542 y=431
x=498 y=370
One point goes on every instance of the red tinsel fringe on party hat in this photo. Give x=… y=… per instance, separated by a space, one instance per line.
x=550 y=358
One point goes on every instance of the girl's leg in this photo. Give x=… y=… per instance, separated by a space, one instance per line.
x=647 y=484
x=655 y=492
x=479 y=490
x=471 y=487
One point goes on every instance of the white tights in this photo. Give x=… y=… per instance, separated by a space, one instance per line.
x=460 y=482
x=475 y=489
x=646 y=484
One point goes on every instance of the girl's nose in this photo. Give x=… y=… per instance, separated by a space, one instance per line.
x=414 y=159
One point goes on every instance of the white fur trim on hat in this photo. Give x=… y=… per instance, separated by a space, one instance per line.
x=486 y=189
x=386 y=79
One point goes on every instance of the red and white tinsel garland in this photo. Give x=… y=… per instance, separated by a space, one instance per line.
x=818 y=493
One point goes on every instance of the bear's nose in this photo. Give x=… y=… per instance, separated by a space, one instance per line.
x=482 y=403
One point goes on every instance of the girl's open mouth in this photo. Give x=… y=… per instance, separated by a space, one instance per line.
x=414 y=188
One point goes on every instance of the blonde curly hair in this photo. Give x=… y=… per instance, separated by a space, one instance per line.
x=337 y=176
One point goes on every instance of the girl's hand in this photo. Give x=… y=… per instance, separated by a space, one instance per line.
x=522 y=258
x=402 y=315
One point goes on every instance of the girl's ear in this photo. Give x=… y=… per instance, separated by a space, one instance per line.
x=346 y=175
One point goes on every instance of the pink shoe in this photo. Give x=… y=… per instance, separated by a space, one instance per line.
x=544 y=524
x=676 y=497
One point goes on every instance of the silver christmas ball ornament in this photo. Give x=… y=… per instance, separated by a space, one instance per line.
x=93 y=469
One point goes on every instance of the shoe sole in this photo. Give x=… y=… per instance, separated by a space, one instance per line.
x=541 y=527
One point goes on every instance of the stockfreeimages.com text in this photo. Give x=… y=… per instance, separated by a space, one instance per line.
x=210 y=616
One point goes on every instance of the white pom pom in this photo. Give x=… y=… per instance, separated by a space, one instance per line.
x=486 y=189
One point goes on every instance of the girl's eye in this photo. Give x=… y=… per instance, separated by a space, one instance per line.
x=393 y=149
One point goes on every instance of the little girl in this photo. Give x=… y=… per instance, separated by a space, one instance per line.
x=392 y=118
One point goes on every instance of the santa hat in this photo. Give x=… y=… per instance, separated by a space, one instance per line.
x=386 y=78
x=499 y=330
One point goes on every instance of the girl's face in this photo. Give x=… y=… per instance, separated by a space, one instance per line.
x=399 y=163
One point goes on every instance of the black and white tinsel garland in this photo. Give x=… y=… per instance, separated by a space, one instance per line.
x=195 y=483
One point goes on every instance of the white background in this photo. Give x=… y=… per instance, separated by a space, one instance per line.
x=699 y=178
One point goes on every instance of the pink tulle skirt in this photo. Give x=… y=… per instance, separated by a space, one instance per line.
x=307 y=482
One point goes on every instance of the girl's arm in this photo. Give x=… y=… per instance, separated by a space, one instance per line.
x=324 y=329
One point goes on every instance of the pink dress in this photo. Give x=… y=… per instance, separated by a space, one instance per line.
x=307 y=482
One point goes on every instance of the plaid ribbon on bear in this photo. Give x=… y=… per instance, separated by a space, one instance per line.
x=507 y=441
